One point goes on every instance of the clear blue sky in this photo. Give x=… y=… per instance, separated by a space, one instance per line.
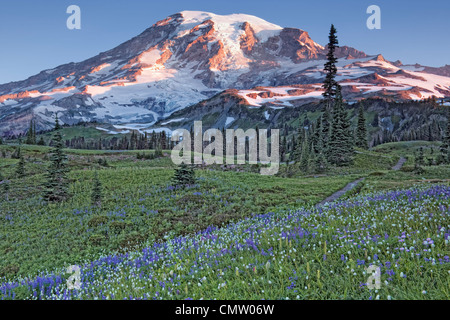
x=34 y=37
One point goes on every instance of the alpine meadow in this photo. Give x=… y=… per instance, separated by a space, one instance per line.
x=303 y=171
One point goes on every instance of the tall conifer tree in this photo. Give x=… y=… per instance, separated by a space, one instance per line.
x=20 y=170
x=31 y=134
x=329 y=85
x=57 y=125
x=445 y=147
x=340 y=146
x=56 y=187
x=304 y=161
x=361 y=130
x=320 y=161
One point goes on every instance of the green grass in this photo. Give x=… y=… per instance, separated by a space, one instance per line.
x=306 y=254
x=408 y=149
x=36 y=236
x=364 y=163
x=399 y=179
x=138 y=207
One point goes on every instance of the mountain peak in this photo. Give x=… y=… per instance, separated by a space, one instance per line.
x=186 y=58
x=380 y=57
x=228 y=24
x=197 y=17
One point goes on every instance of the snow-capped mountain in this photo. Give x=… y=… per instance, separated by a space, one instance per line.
x=192 y=56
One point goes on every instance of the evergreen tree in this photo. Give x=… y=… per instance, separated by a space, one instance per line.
x=184 y=175
x=330 y=85
x=312 y=158
x=348 y=133
x=57 y=125
x=304 y=160
x=330 y=69
x=257 y=146
x=361 y=130
x=292 y=147
x=96 y=196
x=380 y=140
x=30 y=135
x=1 y=140
x=316 y=134
x=283 y=149
x=20 y=170
x=17 y=154
x=163 y=141
x=34 y=132
x=41 y=142
x=320 y=163
x=297 y=145
x=56 y=187
x=158 y=153
x=133 y=141
x=296 y=150
x=340 y=146
x=6 y=187
x=445 y=147
x=224 y=144
x=419 y=158
x=326 y=125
